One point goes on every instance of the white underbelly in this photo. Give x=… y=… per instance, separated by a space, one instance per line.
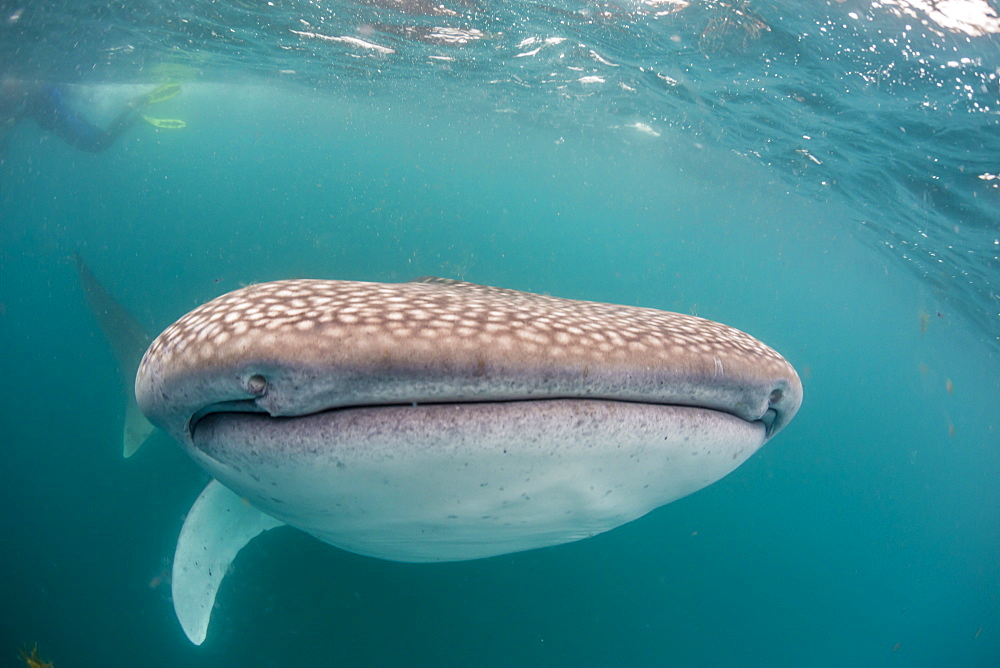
x=452 y=482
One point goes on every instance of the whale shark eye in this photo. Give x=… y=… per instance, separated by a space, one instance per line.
x=773 y=399
x=256 y=384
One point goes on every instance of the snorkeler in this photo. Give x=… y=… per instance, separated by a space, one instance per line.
x=44 y=104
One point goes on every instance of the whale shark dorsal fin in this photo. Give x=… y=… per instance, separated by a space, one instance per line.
x=437 y=280
x=128 y=342
x=480 y=289
x=217 y=527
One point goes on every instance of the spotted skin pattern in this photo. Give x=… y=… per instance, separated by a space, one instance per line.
x=436 y=313
x=321 y=344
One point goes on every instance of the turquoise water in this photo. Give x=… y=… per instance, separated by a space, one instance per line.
x=866 y=533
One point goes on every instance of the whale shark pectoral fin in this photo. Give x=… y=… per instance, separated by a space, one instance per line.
x=128 y=343
x=137 y=428
x=217 y=527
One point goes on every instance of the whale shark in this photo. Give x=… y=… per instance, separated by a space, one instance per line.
x=440 y=420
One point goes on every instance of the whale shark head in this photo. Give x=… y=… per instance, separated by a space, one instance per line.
x=437 y=420
x=299 y=347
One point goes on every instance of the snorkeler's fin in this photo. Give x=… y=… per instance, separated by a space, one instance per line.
x=128 y=342
x=162 y=93
x=165 y=123
x=216 y=528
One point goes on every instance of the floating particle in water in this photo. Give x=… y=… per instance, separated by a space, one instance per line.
x=924 y=318
x=159 y=579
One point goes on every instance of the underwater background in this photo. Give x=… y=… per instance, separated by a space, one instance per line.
x=824 y=176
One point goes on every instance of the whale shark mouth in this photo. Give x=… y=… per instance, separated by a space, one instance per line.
x=242 y=407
